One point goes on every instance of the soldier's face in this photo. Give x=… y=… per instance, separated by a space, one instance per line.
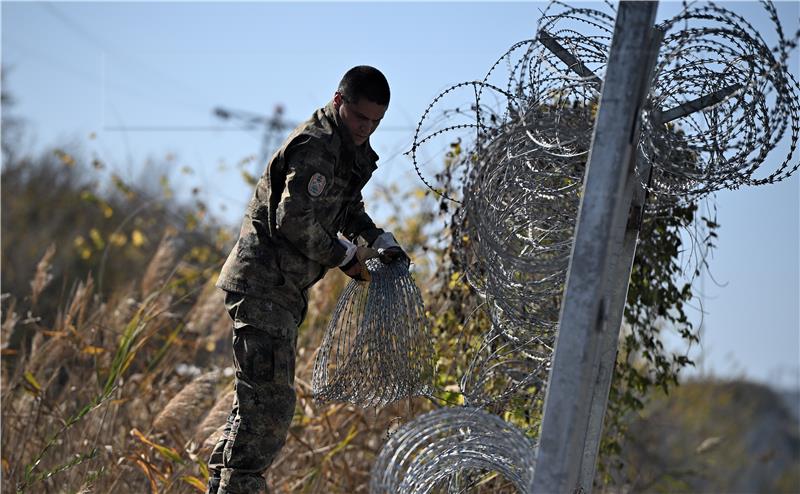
x=361 y=117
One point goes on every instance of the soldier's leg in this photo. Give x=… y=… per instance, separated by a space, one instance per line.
x=215 y=462
x=264 y=357
x=266 y=400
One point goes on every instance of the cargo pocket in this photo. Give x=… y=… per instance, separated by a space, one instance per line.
x=258 y=313
x=254 y=358
x=284 y=361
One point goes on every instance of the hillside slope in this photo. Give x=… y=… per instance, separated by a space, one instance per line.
x=712 y=436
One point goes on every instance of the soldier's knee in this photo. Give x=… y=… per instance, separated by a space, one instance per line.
x=233 y=482
x=262 y=360
x=213 y=485
x=259 y=432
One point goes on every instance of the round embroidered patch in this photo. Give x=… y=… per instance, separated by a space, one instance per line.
x=316 y=184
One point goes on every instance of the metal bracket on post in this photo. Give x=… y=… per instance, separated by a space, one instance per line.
x=660 y=117
x=565 y=56
x=697 y=104
x=600 y=231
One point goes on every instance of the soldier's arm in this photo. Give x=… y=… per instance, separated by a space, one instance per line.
x=359 y=225
x=295 y=217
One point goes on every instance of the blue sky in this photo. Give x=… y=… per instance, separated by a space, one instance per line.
x=87 y=69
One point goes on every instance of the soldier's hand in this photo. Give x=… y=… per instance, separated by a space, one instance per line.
x=357 y=267
x=390 y=251
x=393 y=254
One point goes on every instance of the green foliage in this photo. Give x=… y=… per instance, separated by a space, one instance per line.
x=659 y=293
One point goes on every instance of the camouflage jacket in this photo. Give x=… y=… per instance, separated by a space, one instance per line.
x=310 y=192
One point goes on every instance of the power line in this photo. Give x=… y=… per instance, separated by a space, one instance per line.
x=106 y=47
x=215 y=128
x=174 y=128
x=58 y=64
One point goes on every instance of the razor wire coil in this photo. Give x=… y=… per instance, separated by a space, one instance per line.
x=443 y=447
x=720 y=103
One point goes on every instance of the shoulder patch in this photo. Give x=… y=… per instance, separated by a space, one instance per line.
x=316 y=184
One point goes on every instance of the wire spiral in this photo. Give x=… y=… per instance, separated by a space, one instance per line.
x=720 y=102
x=715 y=58
x=443 y=447
x=722 y=109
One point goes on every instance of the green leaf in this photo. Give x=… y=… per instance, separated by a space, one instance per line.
x=30 y=379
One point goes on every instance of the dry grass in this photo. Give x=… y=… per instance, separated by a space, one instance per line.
x=43 y=275
x=128 y=394
x=210 y=429
x=181 y=412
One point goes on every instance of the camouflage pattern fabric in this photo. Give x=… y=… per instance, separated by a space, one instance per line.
x=309 y=193
x=264 y=339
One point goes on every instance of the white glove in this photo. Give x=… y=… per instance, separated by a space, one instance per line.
x=351 y=251
x=357 y=267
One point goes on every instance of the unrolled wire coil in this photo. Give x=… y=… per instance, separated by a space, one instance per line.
x=524 y=171
x=377 y=347
x=516 y=234
x=504 y=369
x=444 y=448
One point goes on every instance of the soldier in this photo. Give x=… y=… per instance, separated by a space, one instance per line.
x=306 y=216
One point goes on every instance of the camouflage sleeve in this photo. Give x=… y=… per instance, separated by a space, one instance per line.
x=359 y=224
x=295 y=218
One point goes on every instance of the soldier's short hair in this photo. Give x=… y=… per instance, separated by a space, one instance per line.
x=364 y=81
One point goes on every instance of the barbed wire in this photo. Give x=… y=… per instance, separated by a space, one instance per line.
x=447 y=447
x=378 y=346
x=721 y=100
x=525 y=169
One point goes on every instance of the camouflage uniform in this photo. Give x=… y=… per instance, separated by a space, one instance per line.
x=310 y=191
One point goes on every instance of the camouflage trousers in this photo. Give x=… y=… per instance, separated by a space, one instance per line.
x=264 y=339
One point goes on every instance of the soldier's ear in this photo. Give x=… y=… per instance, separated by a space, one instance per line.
x=337 y=100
